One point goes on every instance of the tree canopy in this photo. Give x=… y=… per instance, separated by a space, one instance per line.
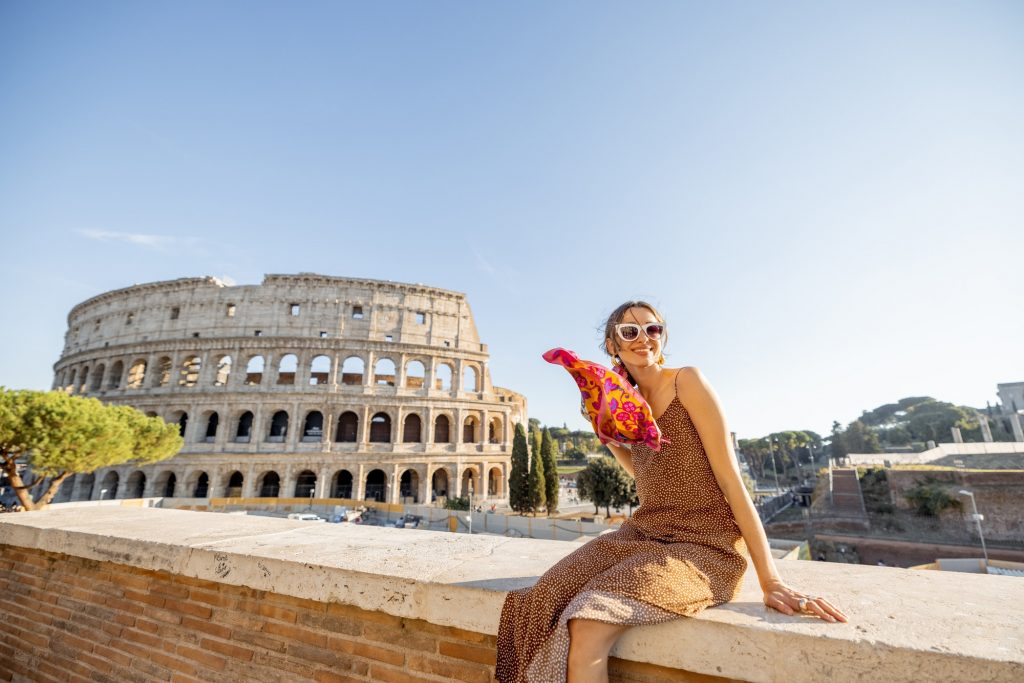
x=519 y=477
x=57 y=435
x=547 y=453
x=604 y=483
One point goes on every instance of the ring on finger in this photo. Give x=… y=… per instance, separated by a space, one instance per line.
x=801 y=604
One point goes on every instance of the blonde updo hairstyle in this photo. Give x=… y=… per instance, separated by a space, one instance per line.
x=615 y=317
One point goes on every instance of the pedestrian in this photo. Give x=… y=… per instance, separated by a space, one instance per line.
x=682 y=551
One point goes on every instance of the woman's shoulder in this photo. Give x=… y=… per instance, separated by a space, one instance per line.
x=690 y=379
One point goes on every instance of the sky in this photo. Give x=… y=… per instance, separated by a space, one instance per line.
x=825 y=200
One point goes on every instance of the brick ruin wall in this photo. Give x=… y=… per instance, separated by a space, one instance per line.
x=73 y=619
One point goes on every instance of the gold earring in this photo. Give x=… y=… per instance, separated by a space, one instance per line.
x=661 y=359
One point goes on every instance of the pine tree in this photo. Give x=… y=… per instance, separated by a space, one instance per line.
x=547 y=452
x=536 y=487
x=519 y=477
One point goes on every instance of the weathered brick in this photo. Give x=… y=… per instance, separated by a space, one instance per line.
x=389 y=655
x=456 y=671
x=386 y=674
x=329 y=622
x=299 y=633
x=274 y=612
x=228 y=649
x=208 y=659
x=191 y=608
x=472 y=653
x=207 y=627
x=410 y=639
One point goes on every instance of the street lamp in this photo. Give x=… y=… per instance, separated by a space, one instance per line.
x=977 y=520
x=775 y=466
x=471 y=505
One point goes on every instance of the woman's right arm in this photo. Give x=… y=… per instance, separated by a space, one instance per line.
x=623 y=455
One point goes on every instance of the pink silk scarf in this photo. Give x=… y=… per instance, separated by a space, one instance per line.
x=614 y=407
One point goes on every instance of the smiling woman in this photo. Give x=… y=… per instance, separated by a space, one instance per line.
x=681 y=552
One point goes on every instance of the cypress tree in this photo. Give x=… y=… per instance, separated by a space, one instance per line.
x=519 y=477
x=547 y=452
x=536 y=486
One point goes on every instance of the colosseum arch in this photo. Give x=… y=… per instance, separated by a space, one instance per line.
x=440 y=481
x=287 y=368
x=244 y=427
x=442 y=429
x=233 y=489
x=223 y=373
x=495 y=431
x=209 y=425
x=135 y=485
x=136 y=374
x=85 y=485
x=278 y=428
x=188 y=376
x=305 y=484
x=409 y=485
x=313 y=427
x=470 y=474
x=254 y=371
x=116 y=372
x=470 y=379
x=162 y=378
x=495 y=483
x=384 y=372
x=150 y=363
x=268 y=485
x=165 y=484
x=412 y=429
x=320 y=370
x=471 y=429
x=97 y=378
x=198 y=485
x=341 y=485
x=380 y=428
x=348 y=428
x=179 y=417
x=108 y=485
x=352 y=371
x=415 y=372
x=443 y=377
x=376 y=485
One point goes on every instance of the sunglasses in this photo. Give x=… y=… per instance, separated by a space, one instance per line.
x=631 y=331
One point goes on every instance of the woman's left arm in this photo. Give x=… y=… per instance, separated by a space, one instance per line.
x=702 y=404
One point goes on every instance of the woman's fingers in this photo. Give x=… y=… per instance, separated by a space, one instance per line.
x=813 y=607
x=832 y=609
x=775 y=601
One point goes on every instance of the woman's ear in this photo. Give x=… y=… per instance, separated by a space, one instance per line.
x=608 y=347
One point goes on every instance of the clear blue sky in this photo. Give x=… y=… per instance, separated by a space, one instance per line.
x=825 y=199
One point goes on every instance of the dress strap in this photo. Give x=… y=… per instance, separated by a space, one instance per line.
x=675 y=384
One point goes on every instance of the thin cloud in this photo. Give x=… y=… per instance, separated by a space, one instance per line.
x=483 y=264
x=137 y=239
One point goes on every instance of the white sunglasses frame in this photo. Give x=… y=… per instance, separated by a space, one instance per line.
x=640 y=328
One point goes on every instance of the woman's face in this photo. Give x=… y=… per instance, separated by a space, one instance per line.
x=641 y=351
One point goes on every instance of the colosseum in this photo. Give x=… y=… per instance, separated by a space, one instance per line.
x=304 y=386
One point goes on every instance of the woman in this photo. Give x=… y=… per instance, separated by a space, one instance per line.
x=681 y=551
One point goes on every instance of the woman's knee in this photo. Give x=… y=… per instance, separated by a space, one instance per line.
x=593 y=635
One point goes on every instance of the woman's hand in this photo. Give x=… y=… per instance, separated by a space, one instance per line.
x=781 y=597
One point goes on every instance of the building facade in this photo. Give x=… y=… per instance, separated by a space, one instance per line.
x=305 y=385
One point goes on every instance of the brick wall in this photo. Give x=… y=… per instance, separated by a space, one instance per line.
x=73 y=619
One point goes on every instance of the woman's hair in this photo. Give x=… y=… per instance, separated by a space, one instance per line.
x=615 y=317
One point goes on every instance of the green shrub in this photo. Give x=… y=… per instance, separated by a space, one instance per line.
x=930 y=497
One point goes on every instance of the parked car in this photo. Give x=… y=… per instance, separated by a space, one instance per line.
x=305 y=517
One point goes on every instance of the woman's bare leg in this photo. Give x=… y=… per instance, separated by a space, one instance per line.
x=589 y=644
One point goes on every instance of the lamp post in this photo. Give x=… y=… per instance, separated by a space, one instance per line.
x=775 y=466
x=977 y=520
x=470 y=505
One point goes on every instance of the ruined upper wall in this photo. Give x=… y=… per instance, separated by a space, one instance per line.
x=302 y=305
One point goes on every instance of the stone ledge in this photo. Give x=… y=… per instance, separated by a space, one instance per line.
x=905 y=625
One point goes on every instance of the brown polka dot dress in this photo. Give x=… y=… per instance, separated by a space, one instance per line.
x=679 y=553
